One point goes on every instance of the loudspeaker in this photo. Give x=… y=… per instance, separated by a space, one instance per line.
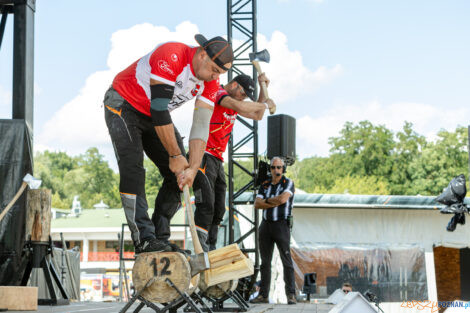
x=281 y=137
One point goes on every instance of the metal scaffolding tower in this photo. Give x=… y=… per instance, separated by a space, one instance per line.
x=242 y=30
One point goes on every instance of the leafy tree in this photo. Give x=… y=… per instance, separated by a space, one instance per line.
x=439 y=162
x=368 y=185
x=153 y=181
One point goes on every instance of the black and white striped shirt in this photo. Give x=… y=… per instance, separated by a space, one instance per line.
x=268 y=190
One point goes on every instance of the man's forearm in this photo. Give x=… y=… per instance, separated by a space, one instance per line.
x=167 y=136
x=262 y=205
x=196 y=151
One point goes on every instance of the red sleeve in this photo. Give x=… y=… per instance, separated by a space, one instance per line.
x=210 y=91
x=167 y=62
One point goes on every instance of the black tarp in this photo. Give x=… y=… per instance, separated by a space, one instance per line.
x=16 y=160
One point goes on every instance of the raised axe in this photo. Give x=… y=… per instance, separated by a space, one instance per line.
x=255 y=58
x=28 y=180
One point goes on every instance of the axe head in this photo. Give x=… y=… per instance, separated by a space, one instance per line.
x=261 y=56
x=32 y=182
x=199 y=263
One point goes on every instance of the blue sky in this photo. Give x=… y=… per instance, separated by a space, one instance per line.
x=333 y=61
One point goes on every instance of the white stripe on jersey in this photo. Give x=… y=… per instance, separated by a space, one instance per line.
x=205 y=100
x=142 y=73
x=276 y=208
x=289 y=186
x=161 y=79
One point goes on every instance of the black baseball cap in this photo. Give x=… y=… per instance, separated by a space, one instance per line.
x=218 y=49
x=248 y=85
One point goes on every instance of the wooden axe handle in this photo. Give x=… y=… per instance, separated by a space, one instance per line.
x=192 y=225
x=18 y=194
x=263 y=85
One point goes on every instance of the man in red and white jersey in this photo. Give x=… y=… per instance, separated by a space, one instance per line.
x=209 y=185
x=137 y=113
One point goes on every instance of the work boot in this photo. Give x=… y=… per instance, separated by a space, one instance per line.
x=291 y=299
x=152 y=245
x=175 y=248
x=259 y=299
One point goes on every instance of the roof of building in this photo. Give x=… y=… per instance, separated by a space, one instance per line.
x=359 y=201
x=103 y=218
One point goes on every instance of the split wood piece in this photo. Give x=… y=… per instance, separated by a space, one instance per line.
x=161 y=265
x=38 y=214
x=225 y=255
x=238 y=269
x=194 y=283
x=219 y=290
x=16 y=298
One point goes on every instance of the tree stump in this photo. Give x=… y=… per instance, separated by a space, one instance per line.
x=38 y=214
x=161 y=265
x=219 y=290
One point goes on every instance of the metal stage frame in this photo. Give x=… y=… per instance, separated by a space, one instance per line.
x=241 y=22
x=23 y=56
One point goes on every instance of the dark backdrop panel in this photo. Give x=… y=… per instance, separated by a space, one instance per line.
x=15 y=162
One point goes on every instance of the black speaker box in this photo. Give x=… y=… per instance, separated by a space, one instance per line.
x=281 y=137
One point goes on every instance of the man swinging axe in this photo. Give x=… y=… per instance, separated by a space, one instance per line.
x=209 y=185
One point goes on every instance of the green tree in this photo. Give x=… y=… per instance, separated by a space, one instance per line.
x=153 y=181
x=440 y=161
x=369 y=185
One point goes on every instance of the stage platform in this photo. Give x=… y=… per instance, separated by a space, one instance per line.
x=102 y=307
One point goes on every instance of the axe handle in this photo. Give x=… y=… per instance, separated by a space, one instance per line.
x=192 y=225
x=18 y=194
x=263 y=85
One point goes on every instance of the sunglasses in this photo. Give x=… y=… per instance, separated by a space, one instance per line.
x=346 y=291
x=274 y=167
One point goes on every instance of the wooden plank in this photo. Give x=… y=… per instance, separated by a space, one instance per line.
x=38 y=214
x=15 y=298
x=233 y=271
x=225 y=255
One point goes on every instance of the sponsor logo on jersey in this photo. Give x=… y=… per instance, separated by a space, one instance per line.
x=230 y=118
x=179 y=84
x=193 y=80
x=195 y=90
x=164 y=66
x=174 y=57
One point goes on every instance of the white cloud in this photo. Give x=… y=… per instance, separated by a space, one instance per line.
x=313 y=132
x=290 y=78
x=79 y=124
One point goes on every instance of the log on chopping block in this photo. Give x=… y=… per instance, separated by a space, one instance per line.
x=194 y=284
x=161 y=265
x=38 y=214
x=238 y=269
x=219 y=290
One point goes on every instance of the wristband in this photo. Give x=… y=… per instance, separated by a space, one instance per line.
x=175 y=156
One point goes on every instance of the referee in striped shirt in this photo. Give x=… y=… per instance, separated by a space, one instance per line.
x=275 y=197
